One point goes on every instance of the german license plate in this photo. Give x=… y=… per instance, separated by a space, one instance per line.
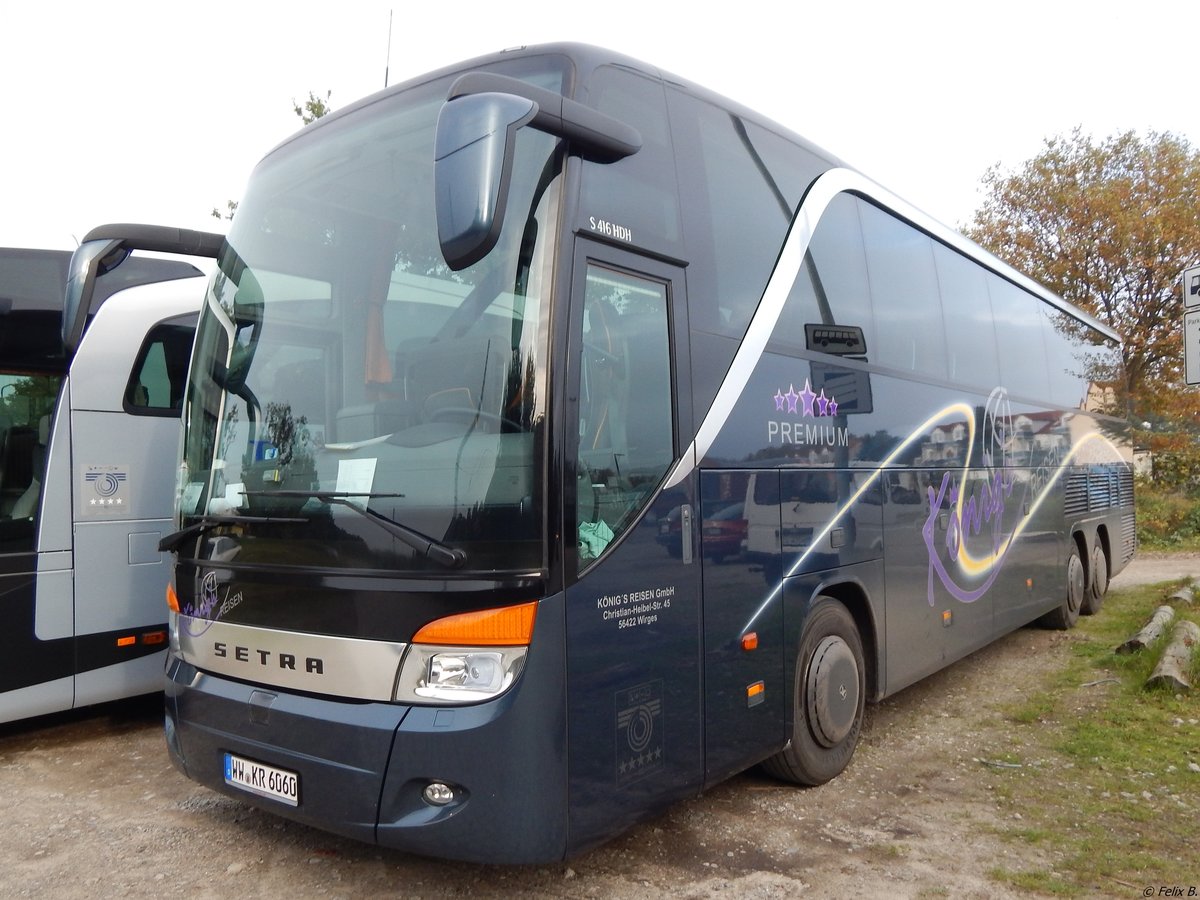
x=266 y=781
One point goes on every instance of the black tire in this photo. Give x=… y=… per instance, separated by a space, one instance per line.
x=1067 y=613
x=1098 y=583
x=829 y=695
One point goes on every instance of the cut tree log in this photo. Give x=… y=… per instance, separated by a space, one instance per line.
x=1185 y=594
x=1172 y=668
x=1150 y=631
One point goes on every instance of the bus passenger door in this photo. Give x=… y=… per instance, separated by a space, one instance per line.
x=633 y=573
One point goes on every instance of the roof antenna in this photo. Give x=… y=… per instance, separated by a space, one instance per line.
x=387 y=63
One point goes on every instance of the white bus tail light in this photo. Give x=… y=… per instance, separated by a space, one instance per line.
x=467 y=658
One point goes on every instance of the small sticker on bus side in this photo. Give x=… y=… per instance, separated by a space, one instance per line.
x=106 y=491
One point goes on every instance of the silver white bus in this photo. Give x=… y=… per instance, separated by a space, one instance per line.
x=89 y=439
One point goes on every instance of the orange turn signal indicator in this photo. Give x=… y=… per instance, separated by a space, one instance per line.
x=172 y=598
x=506 y=626
x=147 y=638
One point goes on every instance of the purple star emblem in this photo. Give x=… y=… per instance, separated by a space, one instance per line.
x=833 y=407
x=822 y=404
x=780 y=400
x=792 y=397
x=808 y=397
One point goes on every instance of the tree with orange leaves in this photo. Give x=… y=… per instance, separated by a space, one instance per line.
x=1109 y=226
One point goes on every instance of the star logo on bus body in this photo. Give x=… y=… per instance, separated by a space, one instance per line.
x=808 y=397
x=792 y=397
x=780 y=400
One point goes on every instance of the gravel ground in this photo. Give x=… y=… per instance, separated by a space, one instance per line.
x=93 y=809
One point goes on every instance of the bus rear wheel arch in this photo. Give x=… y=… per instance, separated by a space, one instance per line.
x=828 y=697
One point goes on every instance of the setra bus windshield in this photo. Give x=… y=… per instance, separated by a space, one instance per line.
x=354 y=404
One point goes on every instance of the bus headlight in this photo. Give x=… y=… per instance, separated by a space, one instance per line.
x=458 y=674
x=468 y=657
x=470 y=671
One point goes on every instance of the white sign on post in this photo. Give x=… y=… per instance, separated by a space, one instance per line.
x=1191 y=346
x=1191 y=325
x=1191 y=287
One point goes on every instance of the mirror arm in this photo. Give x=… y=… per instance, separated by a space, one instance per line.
x=596 y=135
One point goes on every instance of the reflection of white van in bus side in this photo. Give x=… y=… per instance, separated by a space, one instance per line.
x=789 y=509
x=798 y=511
x=88 y=453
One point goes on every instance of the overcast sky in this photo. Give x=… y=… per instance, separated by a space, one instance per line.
x=157 y=111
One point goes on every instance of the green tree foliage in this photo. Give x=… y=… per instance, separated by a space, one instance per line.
x=1109 y=226
x=313 y=108
x=309 y=111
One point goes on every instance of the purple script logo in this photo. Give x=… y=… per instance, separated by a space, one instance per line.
x=211 y=606
x=967 y=513
x=966 y=517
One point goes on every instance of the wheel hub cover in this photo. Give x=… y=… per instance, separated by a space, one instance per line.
x=1076 y=583
x=833 y=691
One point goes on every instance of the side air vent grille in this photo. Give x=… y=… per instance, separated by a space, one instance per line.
x=1076 y=500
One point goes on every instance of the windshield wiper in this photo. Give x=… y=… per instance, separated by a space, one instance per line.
x=171 y=542
x=429 y=547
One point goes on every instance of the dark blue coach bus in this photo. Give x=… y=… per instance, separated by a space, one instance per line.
x=491 y=356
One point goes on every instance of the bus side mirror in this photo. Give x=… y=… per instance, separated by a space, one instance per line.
x=106 y=247
x=473 y=157
x=92 y=259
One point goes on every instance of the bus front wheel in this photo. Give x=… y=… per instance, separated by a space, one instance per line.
x=830 y=690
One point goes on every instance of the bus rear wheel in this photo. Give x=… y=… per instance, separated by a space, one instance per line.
x=1098 y=584
x=1066 y=614
x=830 y=691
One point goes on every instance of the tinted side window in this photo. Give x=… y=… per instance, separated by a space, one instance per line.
x=1019 y=344
x=159 y=375
x=633 y=200
x=970 y=341
x=26 y=406
x=740 y=185
x=904 y=294
x=626 y=431
x=1083 y=364
x=832 y=287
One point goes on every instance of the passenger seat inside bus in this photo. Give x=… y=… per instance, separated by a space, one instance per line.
x=32 y=456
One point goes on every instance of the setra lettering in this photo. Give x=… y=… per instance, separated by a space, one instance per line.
x=313 y=665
